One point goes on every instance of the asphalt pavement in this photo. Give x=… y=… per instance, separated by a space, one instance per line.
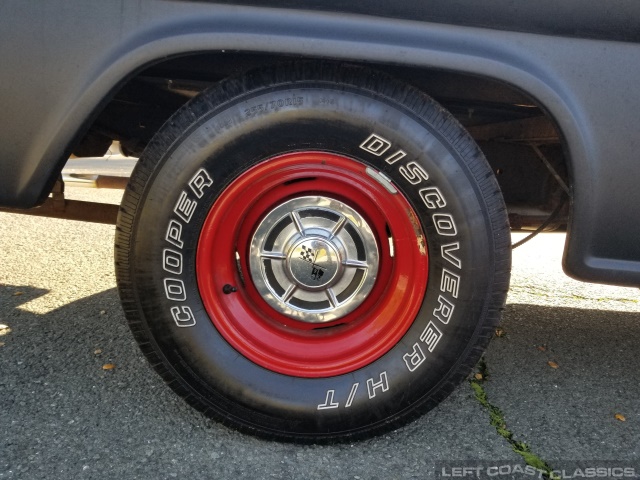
x=561 y=380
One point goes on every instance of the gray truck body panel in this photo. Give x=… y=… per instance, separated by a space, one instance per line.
x=62 y=60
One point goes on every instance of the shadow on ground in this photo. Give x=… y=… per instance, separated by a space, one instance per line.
x=63 y=416
x=568 y=412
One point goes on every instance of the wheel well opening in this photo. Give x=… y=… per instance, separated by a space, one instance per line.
x=519 y=138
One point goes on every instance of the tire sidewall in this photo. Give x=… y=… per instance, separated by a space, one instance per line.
x=318 y=116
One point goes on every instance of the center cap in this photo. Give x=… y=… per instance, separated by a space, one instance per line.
x=313 y=263
x=314 y=259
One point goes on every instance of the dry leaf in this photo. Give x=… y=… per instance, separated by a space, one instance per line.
x=500 y=332
x=4 y=329
x=108 y=366
x=479 y=376
x=97 y=351
x=542 y=348
x=16 y=294
x=553 y=364
x=619 y=416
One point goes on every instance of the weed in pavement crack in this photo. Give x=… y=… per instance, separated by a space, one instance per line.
x=497 y=420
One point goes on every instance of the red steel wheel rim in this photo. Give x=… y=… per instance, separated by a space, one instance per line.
x=276 y=341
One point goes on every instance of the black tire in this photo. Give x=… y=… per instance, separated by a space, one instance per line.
x=336 y=109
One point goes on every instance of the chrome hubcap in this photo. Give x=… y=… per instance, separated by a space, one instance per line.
x=314 y=259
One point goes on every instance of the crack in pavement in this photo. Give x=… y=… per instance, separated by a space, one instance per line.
x=497 y=420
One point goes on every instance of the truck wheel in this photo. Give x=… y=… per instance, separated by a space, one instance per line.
x=312 y=252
